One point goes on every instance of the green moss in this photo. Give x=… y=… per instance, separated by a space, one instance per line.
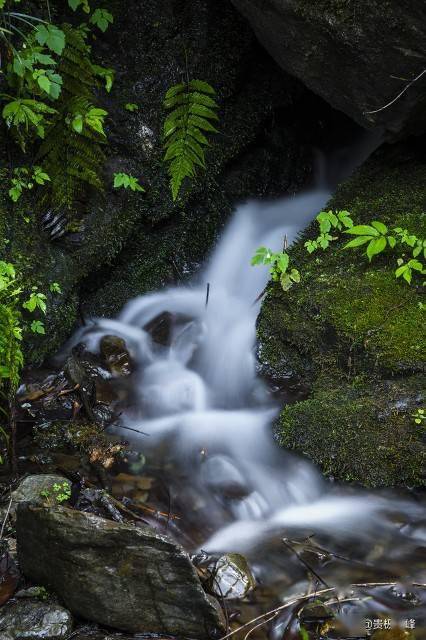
x=364 y=434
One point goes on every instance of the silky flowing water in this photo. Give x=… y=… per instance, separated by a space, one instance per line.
x=205 y=423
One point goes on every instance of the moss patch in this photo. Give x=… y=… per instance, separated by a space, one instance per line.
x=360 y=433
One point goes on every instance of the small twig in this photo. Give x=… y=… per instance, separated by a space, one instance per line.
x=260 y=296
x=248 y=634
x=5 y=518
x=398 y=96
x=207 y=294
x=305 y=564
x=121 y=426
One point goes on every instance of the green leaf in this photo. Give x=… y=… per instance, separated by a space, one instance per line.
x=102 y=19
x=401 y=270
x=377 y=245
x=407 y=275
x=295 y=275
x=415 y=264
x=131 y=106
x=51 y=37
x=55 y=287
x=392 y=241
x=202 y=86
x=282 y=262
x=286 y=281
x=381 y=228
x=37 y=327
x=310 y=246
x=362 y=230
x=357 y=242
x=77 y=123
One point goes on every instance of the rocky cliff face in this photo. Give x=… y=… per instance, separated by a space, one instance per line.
x=357 y=55
x=124 y=244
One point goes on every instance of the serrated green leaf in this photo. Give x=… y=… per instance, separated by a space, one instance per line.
x=362 y=230
x=357 y=242
x=377 y=245
x=381 y=228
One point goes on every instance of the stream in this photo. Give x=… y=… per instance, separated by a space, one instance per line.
x=205 y=420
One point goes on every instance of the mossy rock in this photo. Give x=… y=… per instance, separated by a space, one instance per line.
x=360 y=433
x=351 y=322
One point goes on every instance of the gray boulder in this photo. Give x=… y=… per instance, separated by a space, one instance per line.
x=34 y=620
x=358 y=56
x=121 y=576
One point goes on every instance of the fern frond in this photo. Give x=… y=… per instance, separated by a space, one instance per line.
x=192 y=108
x=74 y=160
x=11 y=358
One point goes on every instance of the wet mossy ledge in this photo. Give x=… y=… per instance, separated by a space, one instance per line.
x=353 y=336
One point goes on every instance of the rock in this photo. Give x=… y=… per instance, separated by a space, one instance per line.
x=231 y=577
x=34 y=620
x=125 y=577
x=116 y=356
x=31 y=488
x=349 y=332
x=357 y=56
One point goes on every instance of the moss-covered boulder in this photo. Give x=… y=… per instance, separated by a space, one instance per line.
x=352 y=336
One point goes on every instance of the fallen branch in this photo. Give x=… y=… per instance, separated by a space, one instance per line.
x=401 y=93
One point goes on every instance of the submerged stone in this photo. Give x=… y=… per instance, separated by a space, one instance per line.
x=34 y=620
x=118 y=575
x=231 y=577
x=116 y=355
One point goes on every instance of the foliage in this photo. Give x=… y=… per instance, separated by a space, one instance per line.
x=127 y=181
x=192 y=109
x=419 y=416
x=14 y=304
x=131 y=106
x=50 y=99
x=376 y=236
x=279 y=263
x=328 y=221
x=24 y=178
x=72 y=150
x=59 y=492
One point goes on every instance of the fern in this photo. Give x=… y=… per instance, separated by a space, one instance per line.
x=11 y=358
x=192 y=108
x=72 y=151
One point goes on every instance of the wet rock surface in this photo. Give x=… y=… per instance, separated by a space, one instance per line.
x=231 y=577
x=31 y=488
x=34 y=620
x=121 y=576
x=337 y=49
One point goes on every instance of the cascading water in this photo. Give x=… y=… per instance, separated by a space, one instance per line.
x=205 y=419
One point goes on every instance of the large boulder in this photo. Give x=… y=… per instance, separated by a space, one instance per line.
x=118 y=575
x=357 y=55
x=350 y=336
